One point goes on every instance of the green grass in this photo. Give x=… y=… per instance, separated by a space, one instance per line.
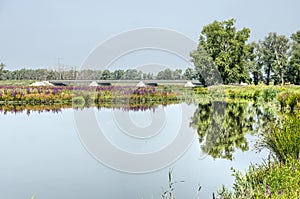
x=279 y=178
x=269 y=180
x=283 y=140
x=16 y=82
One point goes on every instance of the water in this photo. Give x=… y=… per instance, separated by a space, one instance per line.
x=43 y=153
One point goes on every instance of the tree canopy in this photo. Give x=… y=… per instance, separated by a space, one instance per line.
x=226 y=47
x=223 y=50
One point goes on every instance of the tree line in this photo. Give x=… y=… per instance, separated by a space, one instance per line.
x=223 y=56
x=88 y=74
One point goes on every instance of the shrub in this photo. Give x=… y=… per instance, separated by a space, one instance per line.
x=289 y=100
x=269 y=94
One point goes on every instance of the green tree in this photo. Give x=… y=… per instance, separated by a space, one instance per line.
x=106 y=74
x=205 y=70
x=117 y=74
x=274 y=56
x=165 y=74
x=293 y=73
x=227 y=48
x=177 y=74
x=254 y=63
x=282 y=47
x=189 y=74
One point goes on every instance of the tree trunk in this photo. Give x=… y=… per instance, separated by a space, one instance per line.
x=268 y=75
x=298 y=78
x=282 y=79
x=255 y=78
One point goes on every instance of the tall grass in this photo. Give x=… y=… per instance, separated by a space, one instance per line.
x=283 y=140
x=279 y=178
x=268 y=180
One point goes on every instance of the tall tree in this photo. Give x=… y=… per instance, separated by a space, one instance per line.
x=282 y=47
x=205 y=70
x=294 y=63
x=254 y=63
x=228 y=49
x=274 y=56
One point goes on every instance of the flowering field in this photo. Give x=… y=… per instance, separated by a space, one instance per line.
x=84 y=95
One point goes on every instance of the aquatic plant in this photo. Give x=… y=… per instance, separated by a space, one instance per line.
x=283 y=139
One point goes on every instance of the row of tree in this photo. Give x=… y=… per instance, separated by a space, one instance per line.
x=129 y=74
x=224 y=56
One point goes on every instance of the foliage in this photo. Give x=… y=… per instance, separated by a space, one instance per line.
x=269 y=180
x=269 y=94
x=254 y=63
x=283 y=139
x=248 y=92
x=289 y=100
x=278 y=178
x=1 y=70
x=88 y=74
x=293 y=73
x=190 y=74
x=85 y=95
x=207 y=72
x=224 y=46
x=274 y=57
x=201 y=90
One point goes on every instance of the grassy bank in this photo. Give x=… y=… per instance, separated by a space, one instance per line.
x=278 y=177
x=85 y=95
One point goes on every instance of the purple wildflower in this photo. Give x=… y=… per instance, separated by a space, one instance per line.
x=14 y=93
x=267 y=189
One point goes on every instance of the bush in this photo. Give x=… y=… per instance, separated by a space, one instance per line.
x=269 y=94
x=289 y=100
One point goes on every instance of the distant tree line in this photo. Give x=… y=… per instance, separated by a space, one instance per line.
x=224 y=56
x=88 y=74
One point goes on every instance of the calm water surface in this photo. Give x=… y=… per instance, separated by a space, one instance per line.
x=42 y=154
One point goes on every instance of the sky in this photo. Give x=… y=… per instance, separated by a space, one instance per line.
x=35 y=33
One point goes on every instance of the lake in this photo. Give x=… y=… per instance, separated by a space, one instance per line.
x=62 y=154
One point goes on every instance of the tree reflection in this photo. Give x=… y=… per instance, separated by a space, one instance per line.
x=222 y=126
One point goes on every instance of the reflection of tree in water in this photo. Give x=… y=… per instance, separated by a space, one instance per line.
x=222 y=126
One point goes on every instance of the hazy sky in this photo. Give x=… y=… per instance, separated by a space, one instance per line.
x=34 y=33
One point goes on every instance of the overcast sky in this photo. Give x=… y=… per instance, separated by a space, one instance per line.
x=34 y=33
